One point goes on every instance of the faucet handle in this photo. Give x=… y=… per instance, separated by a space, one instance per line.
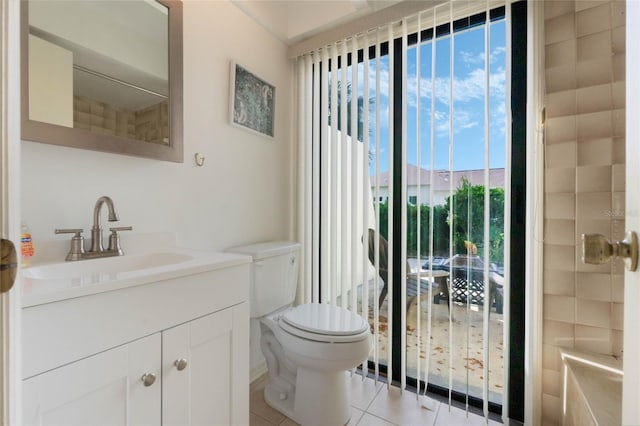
x=76 y=231
x=76 y=250
x=114 y=238
x=121 y=228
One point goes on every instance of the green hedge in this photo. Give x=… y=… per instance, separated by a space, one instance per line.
x=468 y=223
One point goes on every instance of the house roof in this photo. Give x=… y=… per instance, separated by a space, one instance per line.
x=442 y=177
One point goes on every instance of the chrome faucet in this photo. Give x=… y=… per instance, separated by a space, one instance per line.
x=77 y=251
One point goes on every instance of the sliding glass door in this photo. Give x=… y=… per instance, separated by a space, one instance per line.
x=454 y=147
x=407 y=165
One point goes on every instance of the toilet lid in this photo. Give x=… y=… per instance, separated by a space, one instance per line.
x=326 y=320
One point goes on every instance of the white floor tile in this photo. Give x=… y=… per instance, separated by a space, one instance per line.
x=373 y=404
x=363 y=391
x=402 y=408
x=370 y=420
x=356 y=415
x=458 y=416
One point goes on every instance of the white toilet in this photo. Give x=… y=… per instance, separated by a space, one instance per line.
x=308 y=348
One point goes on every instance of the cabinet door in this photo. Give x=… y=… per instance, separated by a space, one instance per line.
x=212 y=388
x=104 y=389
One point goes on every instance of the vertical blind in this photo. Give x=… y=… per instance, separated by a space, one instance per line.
x=346 y=160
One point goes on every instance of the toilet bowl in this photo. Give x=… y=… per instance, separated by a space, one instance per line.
x=308 y=348
x=310 y=351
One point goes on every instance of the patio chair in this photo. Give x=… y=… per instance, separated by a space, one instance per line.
x=412 y=283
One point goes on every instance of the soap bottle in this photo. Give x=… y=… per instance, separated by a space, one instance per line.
x=26 y=246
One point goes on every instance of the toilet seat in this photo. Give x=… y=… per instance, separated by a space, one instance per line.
x=324 y=323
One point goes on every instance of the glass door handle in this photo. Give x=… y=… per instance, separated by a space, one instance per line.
x=8 y=265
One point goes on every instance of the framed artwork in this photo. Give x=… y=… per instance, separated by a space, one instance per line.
x=252 y=103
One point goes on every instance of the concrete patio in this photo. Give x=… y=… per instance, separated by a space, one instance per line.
x=464 y=334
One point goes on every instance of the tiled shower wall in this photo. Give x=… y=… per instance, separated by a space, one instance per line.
x=584 y=182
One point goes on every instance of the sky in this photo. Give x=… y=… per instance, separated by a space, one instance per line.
x=468 y=102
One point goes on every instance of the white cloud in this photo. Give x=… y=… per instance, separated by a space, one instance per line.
x=477 y=58
x=472 y=58
x=468 y=96
x=496 y=53
x=463 y=118
x=466 y=88
x=499 y=118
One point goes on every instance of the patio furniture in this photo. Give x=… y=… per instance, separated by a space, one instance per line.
x=465 y=282
x=416 y=282
x=468 y=284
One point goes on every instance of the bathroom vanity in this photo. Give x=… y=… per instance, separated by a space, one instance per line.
x=150 y=338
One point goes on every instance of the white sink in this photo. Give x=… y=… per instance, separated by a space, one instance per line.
x=107 y=265
x=54 y=281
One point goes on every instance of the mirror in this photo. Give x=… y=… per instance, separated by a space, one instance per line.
x=104 y=75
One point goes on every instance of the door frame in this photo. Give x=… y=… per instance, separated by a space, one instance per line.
x=630 y=390
x=10 y=391
x=535 y=208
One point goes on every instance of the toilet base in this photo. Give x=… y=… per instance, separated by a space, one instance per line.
x=320 y=398
x=309 y=384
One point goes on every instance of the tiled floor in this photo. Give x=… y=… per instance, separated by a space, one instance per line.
x=372 y=405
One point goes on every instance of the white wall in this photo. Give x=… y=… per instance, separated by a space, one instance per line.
x=316 y=15
x=137 y=31
x=243 y=192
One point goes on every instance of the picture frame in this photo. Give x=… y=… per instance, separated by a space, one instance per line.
x=252 y=102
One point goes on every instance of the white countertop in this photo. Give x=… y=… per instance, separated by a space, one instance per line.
x=53 y=281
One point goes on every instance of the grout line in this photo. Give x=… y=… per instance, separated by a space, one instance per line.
x=266 y=420
x=435 y=420
x=374 y=396
x=372 y=401
x=284 y=420
x=377 y=417
x=441 y=405
x=362 y=413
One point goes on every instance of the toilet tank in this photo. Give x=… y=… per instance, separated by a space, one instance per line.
x=274 y=275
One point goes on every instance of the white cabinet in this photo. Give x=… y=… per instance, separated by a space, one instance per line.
x=85 y=357
x=104 y=389
x=50 y=83
x=205 y=370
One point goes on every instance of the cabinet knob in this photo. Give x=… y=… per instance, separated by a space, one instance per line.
x=148 y=379
x=180 y=364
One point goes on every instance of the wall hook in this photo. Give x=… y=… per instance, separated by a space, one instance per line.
x=199 y=159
